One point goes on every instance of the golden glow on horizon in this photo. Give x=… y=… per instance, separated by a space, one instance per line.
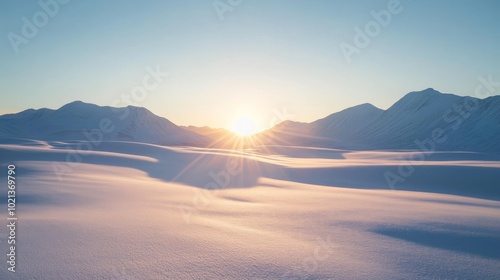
x=244 y=126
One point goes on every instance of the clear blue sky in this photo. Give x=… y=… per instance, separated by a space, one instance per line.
x=264 y=56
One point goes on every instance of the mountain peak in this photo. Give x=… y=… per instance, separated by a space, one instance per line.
x=77 y=105
x=417 y=98
x=138 y=109
x=70 y=121
x=364 y=106
x=427 y=92
x=289 y=125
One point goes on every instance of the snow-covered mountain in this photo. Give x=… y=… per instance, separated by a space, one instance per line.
x=444 y=121
x=336 y=130
x=344 y=125
x=420 y=119
x=83 y=121
x=424 y=119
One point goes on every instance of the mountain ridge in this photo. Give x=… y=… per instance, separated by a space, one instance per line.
x=470 y=124
x=72 y=120
x=409 y=120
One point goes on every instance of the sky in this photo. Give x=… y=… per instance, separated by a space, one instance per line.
x=267 y=59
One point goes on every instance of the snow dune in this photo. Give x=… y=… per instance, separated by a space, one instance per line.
x=141 y=211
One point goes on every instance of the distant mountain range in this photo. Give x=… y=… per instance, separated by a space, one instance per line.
x=451 y=122
x=81 y=121
x=428 y=117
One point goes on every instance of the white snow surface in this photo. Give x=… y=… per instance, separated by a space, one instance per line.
x=141 y=211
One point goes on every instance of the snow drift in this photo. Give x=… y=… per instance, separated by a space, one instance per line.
x=142 y=211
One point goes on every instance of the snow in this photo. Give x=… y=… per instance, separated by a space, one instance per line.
x=141 y=211
x=461 y=124
x=342 y=125
x=465 y=123
x=349 y=196
x=80 y=121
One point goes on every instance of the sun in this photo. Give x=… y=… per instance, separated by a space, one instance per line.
x=244 y=126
